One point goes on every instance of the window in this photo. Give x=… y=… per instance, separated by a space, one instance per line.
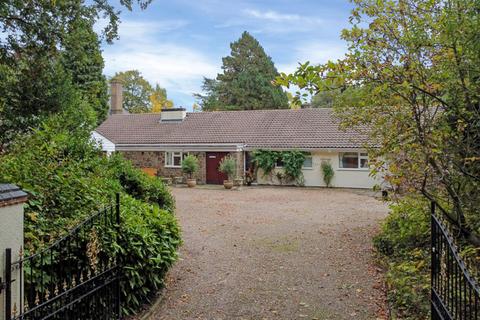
x=308 y=162
x=363 y=160
x=353 y=160
x=174 y=159
x=279 y=163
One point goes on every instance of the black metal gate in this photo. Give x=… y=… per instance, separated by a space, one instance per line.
x=71 y=279
x=455 y=294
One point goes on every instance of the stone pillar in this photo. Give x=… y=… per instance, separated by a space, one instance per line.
x=11 y=236
x=239 y=162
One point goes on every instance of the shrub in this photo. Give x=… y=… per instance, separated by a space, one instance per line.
x=328 y=173
x=265 y=160
x=140 y=185
x=406 y=228
x=147 y=247
x=292 y=164
x=190 y=165
x=228 y=166
x=404 y=245
x=68 y=179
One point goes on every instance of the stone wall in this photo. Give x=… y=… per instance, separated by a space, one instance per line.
x=238 y=156
x=156 y=159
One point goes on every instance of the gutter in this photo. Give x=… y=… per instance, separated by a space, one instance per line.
x=180 y=147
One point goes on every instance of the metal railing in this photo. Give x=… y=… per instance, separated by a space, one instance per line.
x=72 y=278
x=454 y=294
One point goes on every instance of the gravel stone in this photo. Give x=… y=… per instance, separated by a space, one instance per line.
x=274 y=253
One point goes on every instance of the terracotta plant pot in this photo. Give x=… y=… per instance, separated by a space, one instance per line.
x=191 y=183
x=228 y=184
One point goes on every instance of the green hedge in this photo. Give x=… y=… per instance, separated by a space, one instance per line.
x=140 y=185
x=403 y=245
x=147 y=247
x=69 y=179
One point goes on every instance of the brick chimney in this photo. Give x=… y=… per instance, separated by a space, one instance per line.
x=116 y=97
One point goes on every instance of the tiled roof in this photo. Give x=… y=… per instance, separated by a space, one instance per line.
x=301 y=129
x=9 y=193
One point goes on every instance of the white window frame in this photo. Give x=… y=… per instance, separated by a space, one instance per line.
x=170 y=155
x=311 y=167
x=360 y=156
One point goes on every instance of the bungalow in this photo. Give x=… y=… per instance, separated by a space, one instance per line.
x=162 y=140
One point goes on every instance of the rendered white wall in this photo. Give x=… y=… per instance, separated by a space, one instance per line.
x=106 y=145
x=11 y=236
x=343 y=178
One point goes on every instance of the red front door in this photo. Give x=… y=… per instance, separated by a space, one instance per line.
x=214 y=176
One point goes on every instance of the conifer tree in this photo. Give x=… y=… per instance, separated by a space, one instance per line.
x=246 y=81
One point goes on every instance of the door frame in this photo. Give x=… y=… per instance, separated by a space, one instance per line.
x=219 y=175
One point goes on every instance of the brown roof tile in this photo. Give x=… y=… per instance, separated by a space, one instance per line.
x=290 y=129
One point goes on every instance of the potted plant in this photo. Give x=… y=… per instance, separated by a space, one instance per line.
x=250 y=176
x=238 y=181
x=190 y=166
x=227 y=166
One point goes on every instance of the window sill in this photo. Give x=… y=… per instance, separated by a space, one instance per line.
x=354 y=169
x=308 y=168
x=174 y=167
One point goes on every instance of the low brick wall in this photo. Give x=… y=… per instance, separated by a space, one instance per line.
x=156 y=159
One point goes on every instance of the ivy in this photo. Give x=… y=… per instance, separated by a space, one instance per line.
x=292 y=163
x=265 y=160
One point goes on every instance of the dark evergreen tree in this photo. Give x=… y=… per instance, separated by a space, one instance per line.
x=246 y=81
x=83 y=60
x=34 y=82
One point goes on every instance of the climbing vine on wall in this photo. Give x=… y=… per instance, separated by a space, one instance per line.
x=265 y=160
x=292 y=163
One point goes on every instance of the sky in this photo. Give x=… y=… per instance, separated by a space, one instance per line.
x=178 y=42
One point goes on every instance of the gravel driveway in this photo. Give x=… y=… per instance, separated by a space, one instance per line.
x=274 y=253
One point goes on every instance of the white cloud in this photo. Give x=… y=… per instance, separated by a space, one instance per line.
x=140 y=29
x=277 y=17
x=174 y=67
x=316 y=53
x=271 y=22
x=178 y=68
x=272 y=15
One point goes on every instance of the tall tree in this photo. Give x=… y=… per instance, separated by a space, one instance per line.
x=83 y=60
x=136 y=91
x=324 y=99
x=159 y=99
x=209 y=100
x=246 y=81
x=33 y=79
x=412 y=74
